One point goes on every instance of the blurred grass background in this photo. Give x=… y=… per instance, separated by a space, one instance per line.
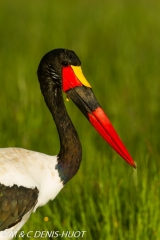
x=118 y=43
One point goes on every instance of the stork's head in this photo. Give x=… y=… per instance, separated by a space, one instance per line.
x=61 y=68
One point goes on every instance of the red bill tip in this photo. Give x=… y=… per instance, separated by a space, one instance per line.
x=102 y=124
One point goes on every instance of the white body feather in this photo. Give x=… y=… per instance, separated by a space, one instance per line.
x=29 y=169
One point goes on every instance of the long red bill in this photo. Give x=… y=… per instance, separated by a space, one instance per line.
x=79 y=90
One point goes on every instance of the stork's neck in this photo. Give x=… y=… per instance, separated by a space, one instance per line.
x=69 y=157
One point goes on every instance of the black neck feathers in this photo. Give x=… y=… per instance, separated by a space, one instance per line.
x=70 y=153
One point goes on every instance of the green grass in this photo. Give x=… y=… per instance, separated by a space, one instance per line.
x=118 y=43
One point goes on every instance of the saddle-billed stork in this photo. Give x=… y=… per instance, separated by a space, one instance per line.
x=30 y=179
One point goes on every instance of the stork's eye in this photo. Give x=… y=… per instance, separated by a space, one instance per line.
x=65 y=63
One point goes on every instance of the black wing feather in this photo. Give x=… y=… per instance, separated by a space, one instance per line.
x=15 y=202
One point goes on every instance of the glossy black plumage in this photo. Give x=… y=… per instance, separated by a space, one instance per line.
x=15 y=202
x=49 y=75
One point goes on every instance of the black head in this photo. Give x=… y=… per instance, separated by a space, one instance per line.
x=49 y=69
